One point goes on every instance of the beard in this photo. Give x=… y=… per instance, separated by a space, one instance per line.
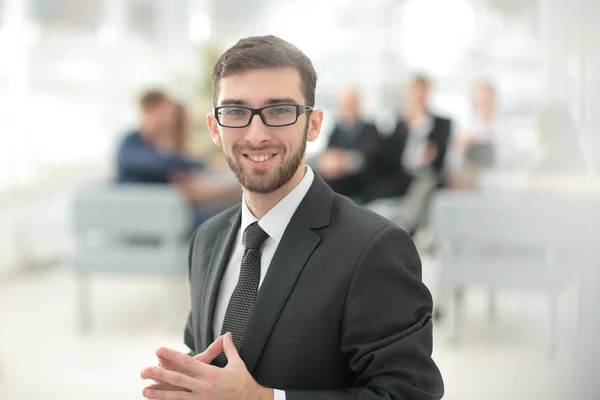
x=262 y=180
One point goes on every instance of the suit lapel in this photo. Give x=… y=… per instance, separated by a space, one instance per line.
x=296 y=246
x=216 y=269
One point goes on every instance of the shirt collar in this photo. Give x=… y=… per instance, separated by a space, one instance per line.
x=276 y=220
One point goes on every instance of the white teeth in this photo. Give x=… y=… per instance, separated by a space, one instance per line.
x=259 y=158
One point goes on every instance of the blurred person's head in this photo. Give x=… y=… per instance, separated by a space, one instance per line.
x=349 y=106
x=484 y=101
x=418 y=94
x=157 y=111
x=259 y=72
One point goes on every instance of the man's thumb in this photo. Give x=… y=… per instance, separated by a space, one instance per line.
x=211 y=352
x=229 y=348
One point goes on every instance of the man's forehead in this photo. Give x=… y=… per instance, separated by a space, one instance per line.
x=261 y=86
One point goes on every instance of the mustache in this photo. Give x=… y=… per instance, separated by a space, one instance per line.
x=269 y=147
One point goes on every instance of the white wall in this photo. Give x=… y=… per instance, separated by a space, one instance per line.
x=35 y=222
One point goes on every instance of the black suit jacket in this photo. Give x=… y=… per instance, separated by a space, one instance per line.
x=391 y=179
x=367 y=143
x=366 y=140
x=342 y=312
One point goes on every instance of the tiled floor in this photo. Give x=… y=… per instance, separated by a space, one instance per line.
x=42 y=356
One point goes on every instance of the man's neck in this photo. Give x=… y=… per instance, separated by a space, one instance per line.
x=487 y=117
x=259 y=204
x=145 y=133
x=415 y=113
x=349 y=121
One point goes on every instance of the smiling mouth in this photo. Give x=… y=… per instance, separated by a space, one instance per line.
x=259 y=159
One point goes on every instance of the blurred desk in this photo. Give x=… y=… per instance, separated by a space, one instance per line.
x=494 y=181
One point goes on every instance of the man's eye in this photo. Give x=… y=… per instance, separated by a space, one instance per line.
x=280 y=110
x=234 y=111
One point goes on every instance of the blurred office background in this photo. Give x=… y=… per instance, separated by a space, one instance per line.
x=71 y=73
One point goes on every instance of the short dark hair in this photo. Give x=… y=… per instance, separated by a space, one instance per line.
x=152 y=98
x=265 y=52
x=422 y=79
x=487 y=85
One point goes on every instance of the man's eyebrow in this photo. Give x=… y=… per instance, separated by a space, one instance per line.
x=232 y=102
x=268 y=102
x=281 y=100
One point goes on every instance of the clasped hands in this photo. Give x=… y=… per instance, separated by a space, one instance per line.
x=179 y=376
x=335 y=163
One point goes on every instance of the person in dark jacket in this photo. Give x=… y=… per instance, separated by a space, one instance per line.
x=418 y=144
x=352 y=144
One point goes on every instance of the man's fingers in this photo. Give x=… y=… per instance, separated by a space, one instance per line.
x=211 y=352
x=176 y=361
x=173 y=378
x=167 y=387
x=185 y=364
x=160 y=395
x=230 y=350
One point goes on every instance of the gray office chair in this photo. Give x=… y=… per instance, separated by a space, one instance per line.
x=129 y=229
x=511 y=240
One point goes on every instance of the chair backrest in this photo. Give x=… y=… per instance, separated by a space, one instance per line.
x=521 y=218
x=136 y=210
x=515 y=238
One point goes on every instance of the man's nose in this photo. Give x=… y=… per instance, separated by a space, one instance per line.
x=257 y=132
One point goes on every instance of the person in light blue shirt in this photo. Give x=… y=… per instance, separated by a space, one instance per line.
x=154 y=154
x=150 y=153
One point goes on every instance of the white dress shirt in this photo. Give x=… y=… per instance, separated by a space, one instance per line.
x=274 y=223
x=416 y=143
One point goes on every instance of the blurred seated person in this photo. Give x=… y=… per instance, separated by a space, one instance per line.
x=476 y=148
x=149 y=154
x=351 y=147
x=416 y=149
x=155 y=154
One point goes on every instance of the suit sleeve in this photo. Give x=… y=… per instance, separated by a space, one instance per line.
x=149 y=165
x=188 y=334
x=387 y=159
x=333 y=140
x=387 y=328
x=441 y=139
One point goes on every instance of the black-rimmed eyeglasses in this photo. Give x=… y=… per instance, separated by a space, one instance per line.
x=275 y=116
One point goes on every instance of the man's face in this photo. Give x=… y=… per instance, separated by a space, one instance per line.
x=418 y=94
x=349 y=106
x=484 y=98
x=264 y=158
x=160 y=118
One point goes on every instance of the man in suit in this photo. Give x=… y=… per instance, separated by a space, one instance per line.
x=352 y=144
x=297 y=293
x=418 y=145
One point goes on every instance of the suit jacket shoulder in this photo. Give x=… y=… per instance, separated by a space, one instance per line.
x=205 y=235
x=358 y=220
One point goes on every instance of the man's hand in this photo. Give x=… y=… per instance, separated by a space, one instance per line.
x=335 y=163
x=183 y=377
x=186 y=184
x=429 y=155
x=206 y=357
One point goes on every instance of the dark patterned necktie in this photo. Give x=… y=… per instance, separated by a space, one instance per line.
x=244 y=294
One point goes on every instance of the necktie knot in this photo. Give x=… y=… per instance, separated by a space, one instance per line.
x=254 y=236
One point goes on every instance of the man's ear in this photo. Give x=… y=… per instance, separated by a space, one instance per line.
x=314 y=125
x=213 y=128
